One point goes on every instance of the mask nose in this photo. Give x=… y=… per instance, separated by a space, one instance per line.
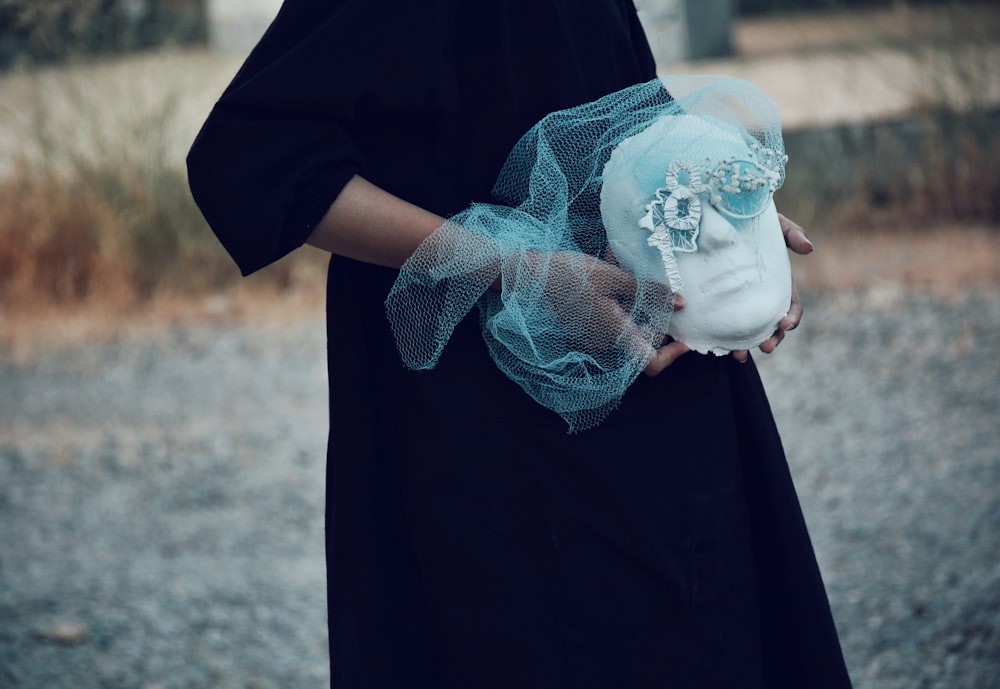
x=716 y=231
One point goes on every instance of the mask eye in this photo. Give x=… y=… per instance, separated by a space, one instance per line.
x=741 y=189
x=682 y=215
x=674 y=217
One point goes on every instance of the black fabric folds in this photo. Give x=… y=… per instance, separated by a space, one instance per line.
x=470 y=541
x=424 y=99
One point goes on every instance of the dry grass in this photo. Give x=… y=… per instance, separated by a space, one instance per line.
x=98 y=233
x=259 y=300
x=94 y=201
x=946 y=262
x=903 y=25
x=880 y=268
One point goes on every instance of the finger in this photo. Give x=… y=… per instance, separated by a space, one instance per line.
x=795 y=236
x=794 y=316
x=613 y=280
x=741 y=355
x=771 y=343
x=609 y=256
x=789 y=322
x=664 y=357
x=656 y=293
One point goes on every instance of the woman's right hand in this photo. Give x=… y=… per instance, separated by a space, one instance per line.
x=594 y=301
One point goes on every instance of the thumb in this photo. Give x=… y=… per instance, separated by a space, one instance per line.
x=664 y=357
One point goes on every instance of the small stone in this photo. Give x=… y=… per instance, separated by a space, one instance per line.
x=67 y=633
x=955 y=642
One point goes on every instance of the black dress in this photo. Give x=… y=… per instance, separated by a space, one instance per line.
x=472 y=543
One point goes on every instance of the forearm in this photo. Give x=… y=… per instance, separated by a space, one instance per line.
x=369 y=224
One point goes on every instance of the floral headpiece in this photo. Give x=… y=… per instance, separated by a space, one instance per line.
x=740 y=189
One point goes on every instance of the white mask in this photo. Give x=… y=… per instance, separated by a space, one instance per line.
x=675 y=212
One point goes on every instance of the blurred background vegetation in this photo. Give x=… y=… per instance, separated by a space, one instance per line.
x=750 y=8
x=38 y=31
x=100 y=99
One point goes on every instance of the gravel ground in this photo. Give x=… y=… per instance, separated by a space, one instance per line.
x=161 y=508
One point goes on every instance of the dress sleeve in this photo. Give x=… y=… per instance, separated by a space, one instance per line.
x=280 y=144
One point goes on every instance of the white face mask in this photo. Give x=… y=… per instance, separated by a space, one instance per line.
x=687 y=203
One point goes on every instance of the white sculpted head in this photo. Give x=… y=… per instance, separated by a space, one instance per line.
x=688 y=202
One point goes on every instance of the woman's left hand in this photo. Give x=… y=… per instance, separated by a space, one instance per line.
x=796 y=240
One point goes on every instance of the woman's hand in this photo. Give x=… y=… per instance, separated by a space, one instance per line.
x=665 y=355
x=796 y=240
x=594 y=300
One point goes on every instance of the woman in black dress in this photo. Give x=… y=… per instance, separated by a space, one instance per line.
x=471 y=542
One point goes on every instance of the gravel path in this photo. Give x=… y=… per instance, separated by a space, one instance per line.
x=161 y=508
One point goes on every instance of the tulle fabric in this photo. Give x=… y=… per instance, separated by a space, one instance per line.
x=558 y=315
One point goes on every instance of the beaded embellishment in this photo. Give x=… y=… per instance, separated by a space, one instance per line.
x=740 y=189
